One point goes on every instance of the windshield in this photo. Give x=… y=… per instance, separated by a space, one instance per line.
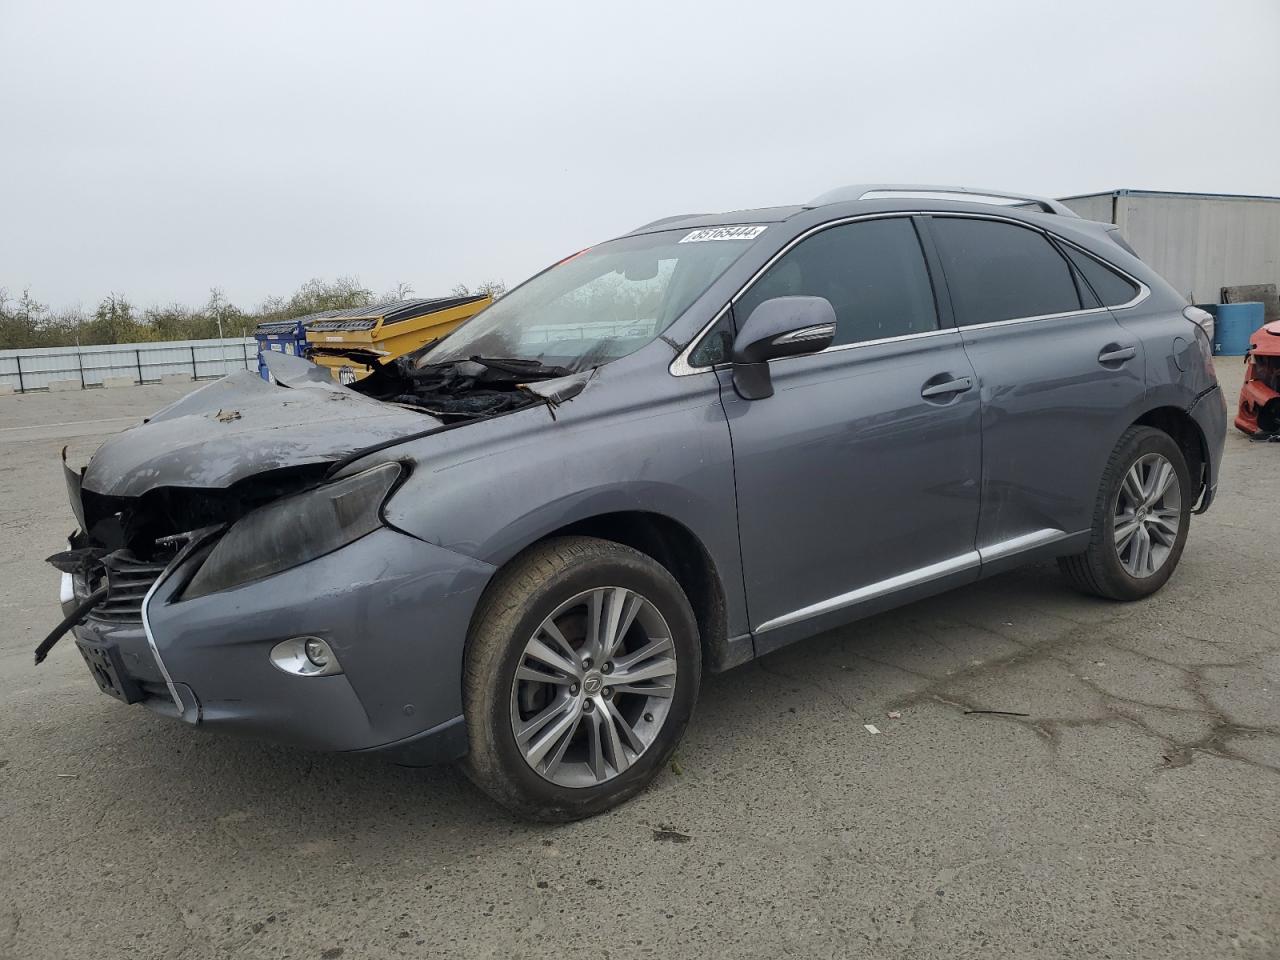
x=601 y=304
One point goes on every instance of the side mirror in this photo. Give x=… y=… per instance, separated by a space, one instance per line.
x=781 y=327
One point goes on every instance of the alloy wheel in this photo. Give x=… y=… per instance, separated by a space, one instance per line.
x=1147 y=515
x=593 y=687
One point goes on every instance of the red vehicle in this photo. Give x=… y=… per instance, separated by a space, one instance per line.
x=1259 y=412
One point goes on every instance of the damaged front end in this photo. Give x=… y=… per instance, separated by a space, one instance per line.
x=154 y=494
x=1258 y=413
x=242 y=480
x=125 y=545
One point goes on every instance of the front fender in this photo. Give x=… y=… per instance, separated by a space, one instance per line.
x=490 y=490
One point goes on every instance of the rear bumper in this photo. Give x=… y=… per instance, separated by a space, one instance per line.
x=1210 y=414
x=395 y=610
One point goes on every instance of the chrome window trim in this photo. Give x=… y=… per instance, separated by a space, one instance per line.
x=840 y=347
x=919 y=576
x=1143 y=290
x=680 y=366
x=1043 y=316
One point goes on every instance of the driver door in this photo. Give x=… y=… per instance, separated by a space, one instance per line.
x=857 y=480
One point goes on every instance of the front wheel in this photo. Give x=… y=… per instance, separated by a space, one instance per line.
x=1140 y=519
x=582 y=669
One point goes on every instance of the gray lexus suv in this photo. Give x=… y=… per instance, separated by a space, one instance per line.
x=666 y=454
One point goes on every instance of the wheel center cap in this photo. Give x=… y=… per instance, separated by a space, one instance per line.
x=1142 y=513
x=592 y=683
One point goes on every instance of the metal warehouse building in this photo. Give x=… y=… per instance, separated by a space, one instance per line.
x=1199 y=242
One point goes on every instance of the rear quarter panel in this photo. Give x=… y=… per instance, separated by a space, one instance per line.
x=1173 y=365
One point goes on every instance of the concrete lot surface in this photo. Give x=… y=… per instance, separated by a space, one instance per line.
x=1133 y=812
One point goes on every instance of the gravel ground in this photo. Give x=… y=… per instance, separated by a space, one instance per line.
x=1133 y=812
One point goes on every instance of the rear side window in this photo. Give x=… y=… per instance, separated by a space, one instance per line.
x=1111 y=288
x=1000 y=271
x=872 y=271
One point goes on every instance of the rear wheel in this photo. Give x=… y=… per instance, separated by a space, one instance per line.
x=1140 y=519
x=581 y=673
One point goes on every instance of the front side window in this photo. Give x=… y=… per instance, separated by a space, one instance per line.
x=872 y=271
x=1001 y=271
x=601 y=304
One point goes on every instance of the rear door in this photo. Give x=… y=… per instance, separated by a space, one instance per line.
x=857 y=479
x=1058 y=378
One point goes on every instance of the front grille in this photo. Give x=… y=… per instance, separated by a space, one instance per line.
x=129 y=580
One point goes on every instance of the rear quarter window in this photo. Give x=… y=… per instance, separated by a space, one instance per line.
x=1111 y=288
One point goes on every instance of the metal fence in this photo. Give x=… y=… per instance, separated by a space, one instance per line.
x=26 y=370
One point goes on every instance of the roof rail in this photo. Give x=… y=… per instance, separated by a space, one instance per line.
x=860 y=191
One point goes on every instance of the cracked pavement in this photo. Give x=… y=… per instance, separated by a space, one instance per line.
x=1134 y=811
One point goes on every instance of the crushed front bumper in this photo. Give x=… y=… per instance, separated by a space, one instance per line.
x=394 y=609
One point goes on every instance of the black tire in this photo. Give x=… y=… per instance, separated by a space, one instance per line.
x=513 y=607
x=1098 y=569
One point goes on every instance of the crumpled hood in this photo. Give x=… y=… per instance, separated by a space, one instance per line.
x=241 y=426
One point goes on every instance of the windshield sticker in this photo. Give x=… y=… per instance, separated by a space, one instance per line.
x=744 y=232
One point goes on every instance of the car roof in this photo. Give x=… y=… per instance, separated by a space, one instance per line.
x=874 y=197
x=689 y=221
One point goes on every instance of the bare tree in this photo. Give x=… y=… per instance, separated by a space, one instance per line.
x=401 y=291
x=489 y=288
x=217 y=303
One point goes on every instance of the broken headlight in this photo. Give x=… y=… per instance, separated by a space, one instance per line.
x=295 y=529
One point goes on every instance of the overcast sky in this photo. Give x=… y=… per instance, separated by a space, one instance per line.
x=158 y=149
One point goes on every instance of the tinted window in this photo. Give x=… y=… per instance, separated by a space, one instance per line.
x=999 y=271
x=1111 y=288
x=873 y=272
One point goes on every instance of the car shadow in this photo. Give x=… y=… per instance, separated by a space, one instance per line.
x=224 y=781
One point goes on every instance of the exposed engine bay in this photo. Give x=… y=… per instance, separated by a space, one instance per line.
x=478 y=387
x=270 y=441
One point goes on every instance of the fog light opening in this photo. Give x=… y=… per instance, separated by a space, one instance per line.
x=305 y=657
x=317 y=651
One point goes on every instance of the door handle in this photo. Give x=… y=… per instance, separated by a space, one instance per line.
x=1114 y=353
x=959 y=385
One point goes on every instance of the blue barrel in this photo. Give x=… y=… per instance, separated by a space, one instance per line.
x=1236 y=325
